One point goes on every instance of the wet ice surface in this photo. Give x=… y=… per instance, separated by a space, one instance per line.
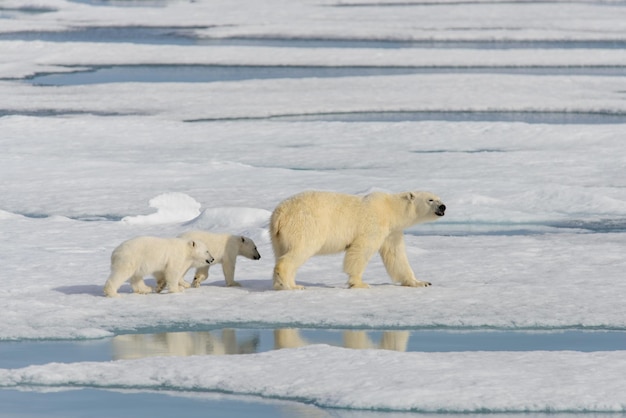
x=512 y=112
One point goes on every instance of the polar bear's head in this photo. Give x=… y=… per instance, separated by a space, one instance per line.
x=425 y=206
x=200 y=254
x=248 y=249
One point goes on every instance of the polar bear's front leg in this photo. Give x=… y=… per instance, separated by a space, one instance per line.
x=173 y=287
x=139 y=286
x=228 y=267
x=393 y=253
x=357 y=256
x=172 y=279
x=160 y=282
x=201 y=275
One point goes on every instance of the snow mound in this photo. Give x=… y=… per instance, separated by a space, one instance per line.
x=230 y=218
x=8 y=215
x=171 y=208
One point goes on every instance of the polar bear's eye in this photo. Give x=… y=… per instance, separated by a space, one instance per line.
x=430 y=200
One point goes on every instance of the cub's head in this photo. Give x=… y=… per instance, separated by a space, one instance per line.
x=200 y=254
x=248 y=249
x=425 y=206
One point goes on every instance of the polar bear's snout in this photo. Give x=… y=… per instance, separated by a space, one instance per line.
x=441 y=210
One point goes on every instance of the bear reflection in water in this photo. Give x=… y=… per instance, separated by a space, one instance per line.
x=390 y=340
x=182 y=344
x=132 y=346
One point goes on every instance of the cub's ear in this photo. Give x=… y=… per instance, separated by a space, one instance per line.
x=410 y=196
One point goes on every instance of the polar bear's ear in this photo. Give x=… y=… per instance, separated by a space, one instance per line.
x=410 y=196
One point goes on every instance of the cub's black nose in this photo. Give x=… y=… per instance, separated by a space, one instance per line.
x=442 y=208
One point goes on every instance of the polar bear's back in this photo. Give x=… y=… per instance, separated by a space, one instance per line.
x=148 y=254
x=215 y=242
x=324 y=222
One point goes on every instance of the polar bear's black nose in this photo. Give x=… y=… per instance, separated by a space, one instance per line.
x=442 y=208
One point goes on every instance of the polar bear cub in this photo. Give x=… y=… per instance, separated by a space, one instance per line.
x=224 y=248
x=314 y=222
x=167 y=259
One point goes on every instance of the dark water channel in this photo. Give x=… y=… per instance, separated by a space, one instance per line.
x=165 y=73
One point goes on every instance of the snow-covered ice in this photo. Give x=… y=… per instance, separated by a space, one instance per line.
x=533 y=238
x=419 y=382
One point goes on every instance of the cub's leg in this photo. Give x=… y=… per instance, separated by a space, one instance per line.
x=172 y=279
x=228 y=267
x=119 y=274
x=160 y=281
x=201 y=275
x=139 y=286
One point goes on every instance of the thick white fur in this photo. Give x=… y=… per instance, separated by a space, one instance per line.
x=224 y=248
x=167 y=259
x=312 y=223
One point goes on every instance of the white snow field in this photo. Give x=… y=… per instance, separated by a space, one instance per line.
x=513 y=113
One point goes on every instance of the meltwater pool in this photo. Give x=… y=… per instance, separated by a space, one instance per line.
x=230 y=341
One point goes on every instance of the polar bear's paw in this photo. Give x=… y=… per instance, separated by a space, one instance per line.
x=160 y=286
x=358 y=285
x=417 y=283
x=142 y=288
x=282 y=286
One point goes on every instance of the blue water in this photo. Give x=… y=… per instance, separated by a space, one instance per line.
x=212 y=73
x=184 y=35
x=245 y=341
x=95 y=403
x=235 y=73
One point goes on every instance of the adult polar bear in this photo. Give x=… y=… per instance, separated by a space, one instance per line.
x=314 y=222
